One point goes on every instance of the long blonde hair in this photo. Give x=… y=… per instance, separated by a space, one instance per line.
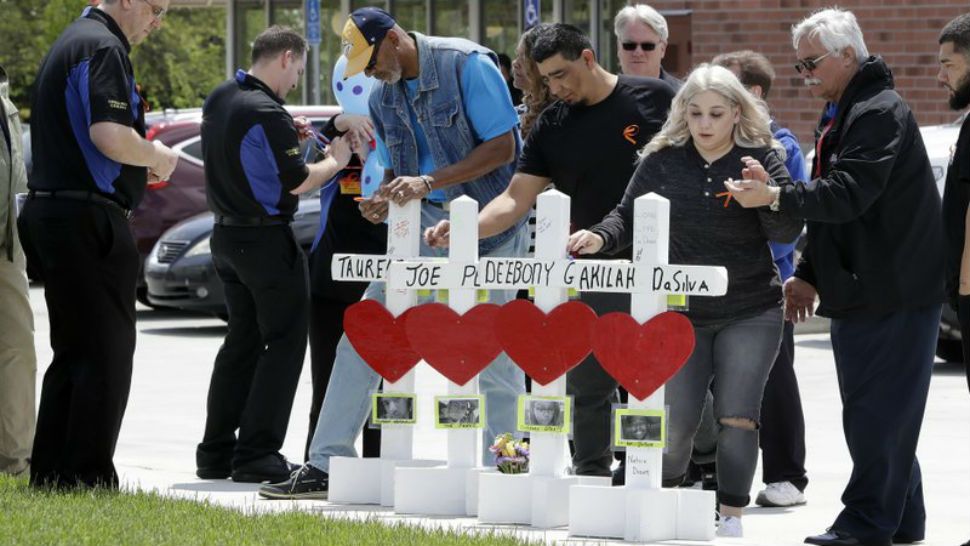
x=753 y=129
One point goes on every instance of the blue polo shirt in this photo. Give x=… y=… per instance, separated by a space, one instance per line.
x=251 y=151
x=86 y=78
x=482 y=87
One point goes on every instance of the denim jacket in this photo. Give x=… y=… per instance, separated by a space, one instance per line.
x=439 y=108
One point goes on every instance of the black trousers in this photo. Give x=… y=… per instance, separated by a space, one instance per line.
x=884 y=366
x=326 y=328
x=963 y=315
x=258 y=367
x=594 y=393
x=86 y=257
x=782 y=434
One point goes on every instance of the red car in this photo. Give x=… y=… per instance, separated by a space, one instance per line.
x=183 y=194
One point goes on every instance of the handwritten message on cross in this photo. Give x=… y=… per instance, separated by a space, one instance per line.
x=622 y=341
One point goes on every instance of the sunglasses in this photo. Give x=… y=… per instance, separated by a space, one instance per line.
x=632 y=46
x=373 y=57
x=808 y=65
x=157 y=12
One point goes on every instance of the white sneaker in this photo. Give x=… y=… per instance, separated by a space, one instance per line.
x=780 y=494
x=729 y=526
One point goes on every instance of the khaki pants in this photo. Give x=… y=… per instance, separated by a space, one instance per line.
x=18 y=366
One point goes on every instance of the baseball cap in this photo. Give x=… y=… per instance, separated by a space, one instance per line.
x=362 y=35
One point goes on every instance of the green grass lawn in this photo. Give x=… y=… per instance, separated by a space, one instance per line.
x=30 y=517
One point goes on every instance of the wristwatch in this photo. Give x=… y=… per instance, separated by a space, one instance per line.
x=427 y=182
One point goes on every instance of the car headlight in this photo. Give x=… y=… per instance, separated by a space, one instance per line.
x=199 y=248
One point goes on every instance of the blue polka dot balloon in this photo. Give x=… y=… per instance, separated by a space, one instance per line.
x=352 y=95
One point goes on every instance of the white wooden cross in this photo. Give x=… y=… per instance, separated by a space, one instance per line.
x=371 y=480
x=539 y=498
x=452 y=489
x=641 y=510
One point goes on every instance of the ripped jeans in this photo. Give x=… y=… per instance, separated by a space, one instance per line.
x=733 y=360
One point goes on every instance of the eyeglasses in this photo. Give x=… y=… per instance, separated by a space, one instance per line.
x=157 y=12
x=645 y=46
x=808 y=65
x=373 y=57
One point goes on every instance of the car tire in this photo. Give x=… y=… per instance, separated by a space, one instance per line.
x=950 y=350
x=141 y=294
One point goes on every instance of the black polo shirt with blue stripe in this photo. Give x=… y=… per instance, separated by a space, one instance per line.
x=86 y=78
x=251 y=151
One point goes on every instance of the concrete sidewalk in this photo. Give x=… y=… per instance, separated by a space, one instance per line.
x=166 y=412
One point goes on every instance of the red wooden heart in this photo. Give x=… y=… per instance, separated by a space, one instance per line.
x=458 y=346
x=545 y=346
x=642 y=357
x=380 y=339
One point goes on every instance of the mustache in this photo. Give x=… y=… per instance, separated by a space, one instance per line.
x=812 y=81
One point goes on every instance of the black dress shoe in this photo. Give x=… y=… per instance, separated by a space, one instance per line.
x=213 y=473
x=841 y=538
x=271 y=468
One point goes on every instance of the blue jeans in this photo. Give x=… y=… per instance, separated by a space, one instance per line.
x=347 y=402
x=732 y=360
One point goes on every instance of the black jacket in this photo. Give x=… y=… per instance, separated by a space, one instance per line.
x=875 y=236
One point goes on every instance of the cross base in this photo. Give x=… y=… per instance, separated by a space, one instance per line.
x=355 y=480
x=438 y=491
x=641 y=515
x=526 y=499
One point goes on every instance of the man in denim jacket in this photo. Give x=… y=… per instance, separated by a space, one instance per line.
x=446 y=128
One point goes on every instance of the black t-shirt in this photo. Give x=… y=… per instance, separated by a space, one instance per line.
x=956 y=199
x=251 y=151
x=589 y=152
x=85 y=78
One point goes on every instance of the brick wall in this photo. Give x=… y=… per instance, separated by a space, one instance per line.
x=903 y=32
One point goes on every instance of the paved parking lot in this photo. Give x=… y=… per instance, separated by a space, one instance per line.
x=166 y=414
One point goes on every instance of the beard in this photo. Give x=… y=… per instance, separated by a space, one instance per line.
x=960 y=97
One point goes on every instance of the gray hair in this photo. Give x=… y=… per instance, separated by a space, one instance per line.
x=835 y=28
x=644 y=14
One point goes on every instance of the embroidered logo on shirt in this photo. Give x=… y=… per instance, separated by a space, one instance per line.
x=293 y=152
x=630 y=133
x=117 y=104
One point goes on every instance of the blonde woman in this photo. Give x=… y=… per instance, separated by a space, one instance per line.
x=716 y=131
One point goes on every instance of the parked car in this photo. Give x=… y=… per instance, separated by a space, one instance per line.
x=179 y=271
x=183 y=194
x=938 y=139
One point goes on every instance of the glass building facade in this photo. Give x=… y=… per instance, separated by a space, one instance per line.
x=496 y=24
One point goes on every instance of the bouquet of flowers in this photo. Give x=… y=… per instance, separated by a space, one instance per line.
x=511 y=455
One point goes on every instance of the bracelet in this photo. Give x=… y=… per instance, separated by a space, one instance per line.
x=775 y=205
x=427 y=182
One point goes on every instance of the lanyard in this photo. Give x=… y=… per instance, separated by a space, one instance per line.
x=818 y=148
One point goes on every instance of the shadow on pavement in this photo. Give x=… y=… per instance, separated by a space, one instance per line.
x=949 y=368
x=813 y=343
x=165 y=313
x=334 y=507
x=218 y=330
x=216 y=486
